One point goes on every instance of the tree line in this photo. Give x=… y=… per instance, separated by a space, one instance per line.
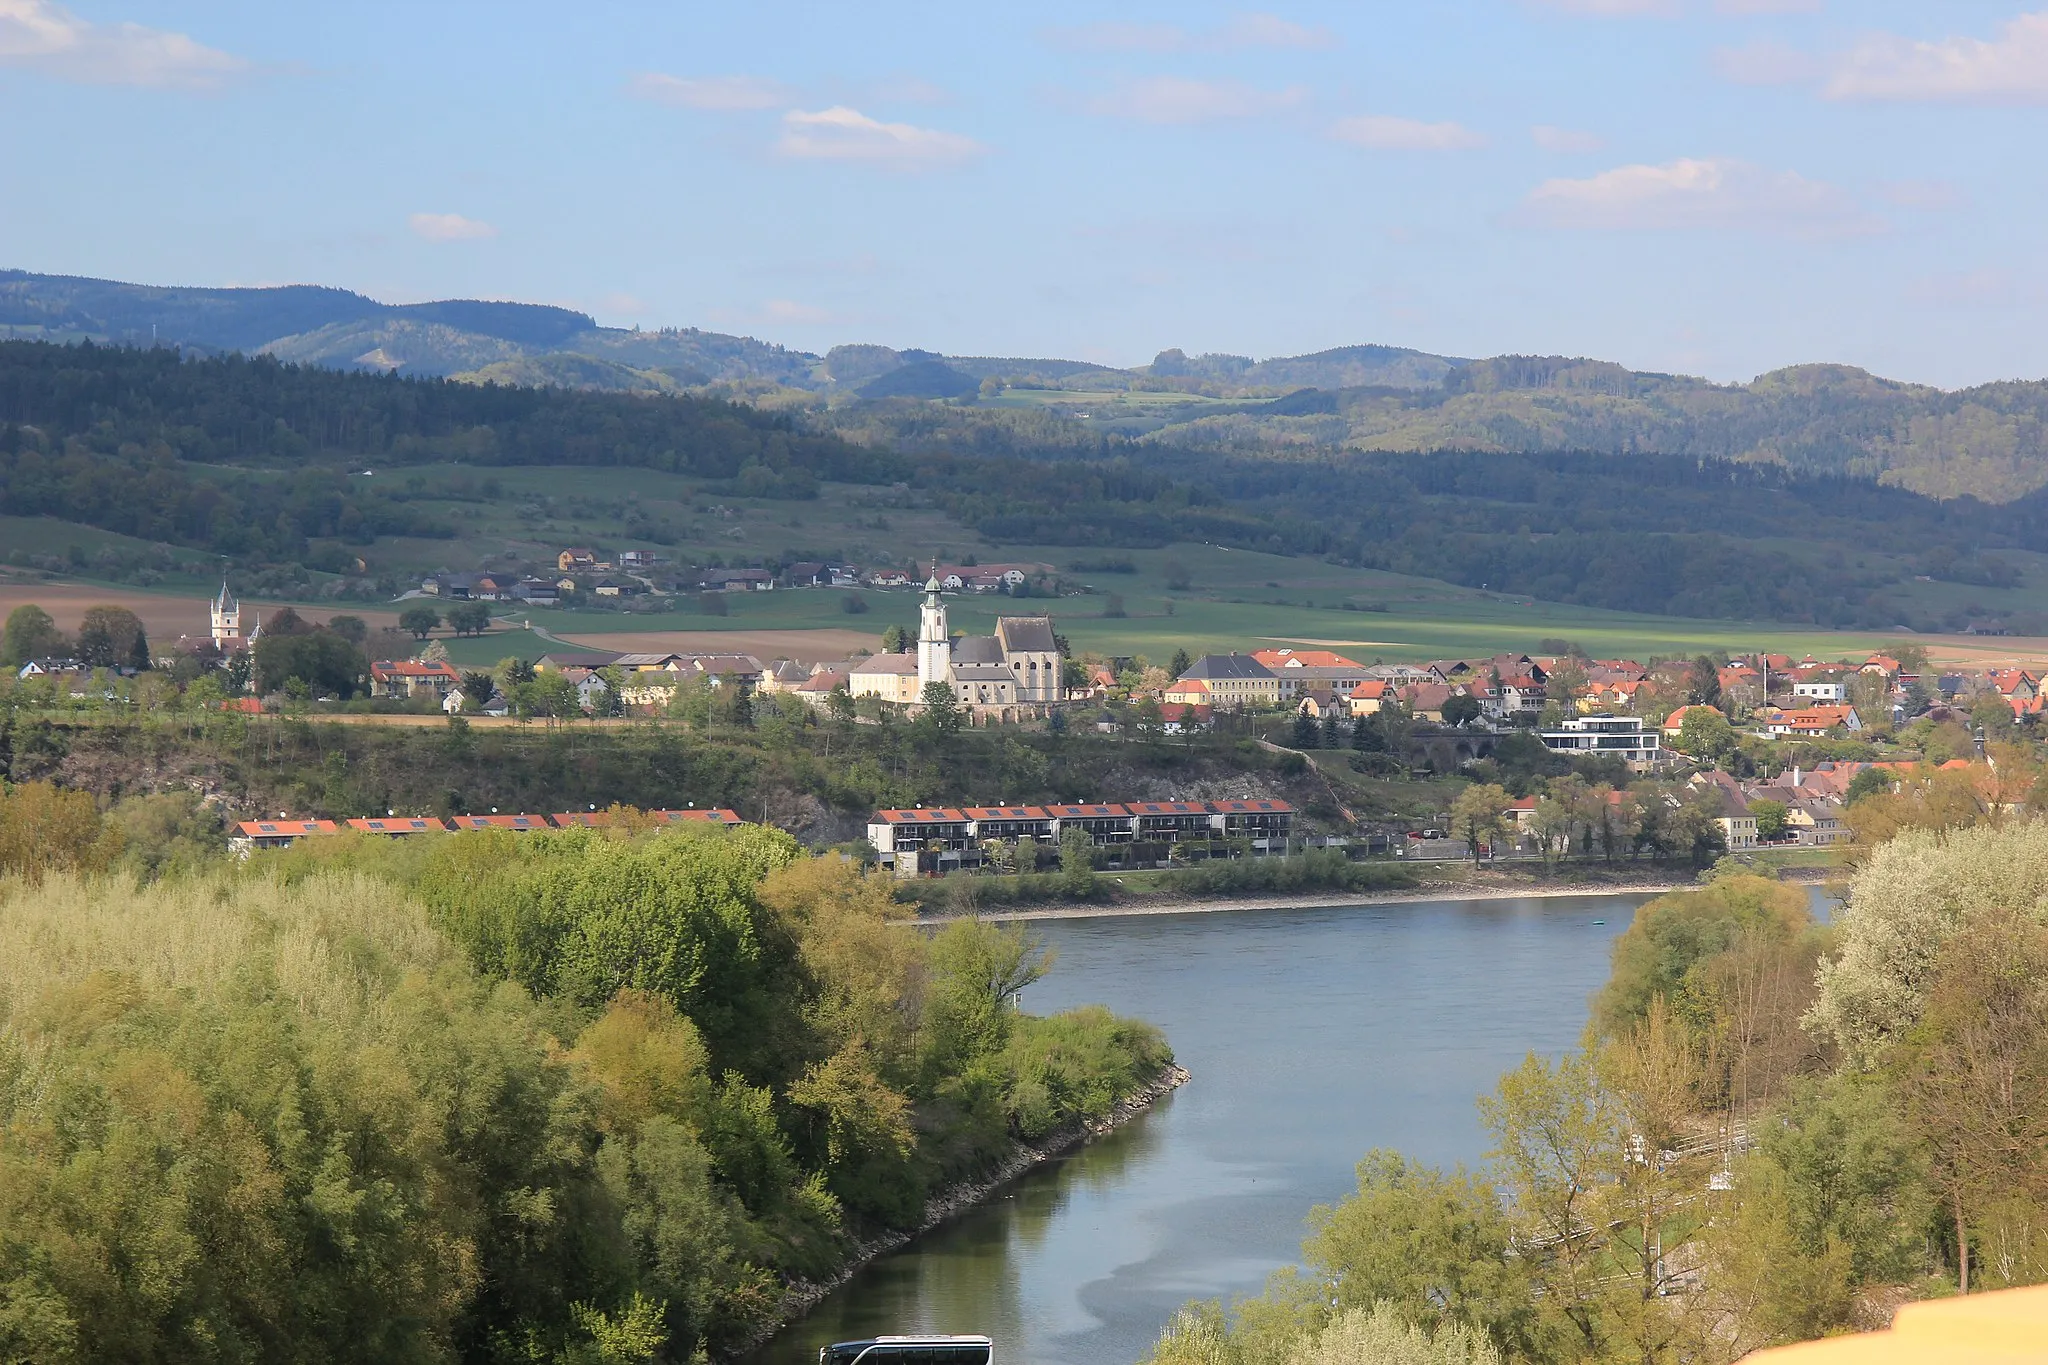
x=589 y=1097
x=1774 y=1130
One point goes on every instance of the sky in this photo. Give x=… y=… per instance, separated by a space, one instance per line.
x=1714 y=187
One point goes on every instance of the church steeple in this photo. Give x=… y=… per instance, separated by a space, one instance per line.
x=934 y=643
x=227 y=616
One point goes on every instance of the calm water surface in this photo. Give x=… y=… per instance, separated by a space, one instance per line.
x=1312 y=1036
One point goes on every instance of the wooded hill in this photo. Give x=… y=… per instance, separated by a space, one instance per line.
x=1989 y=441
x=261 y=460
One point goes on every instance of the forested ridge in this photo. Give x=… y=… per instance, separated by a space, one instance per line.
x=262 y=461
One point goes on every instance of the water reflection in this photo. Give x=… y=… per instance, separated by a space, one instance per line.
x=1313 y=1035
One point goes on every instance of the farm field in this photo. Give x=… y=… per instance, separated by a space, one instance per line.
x=167 y=613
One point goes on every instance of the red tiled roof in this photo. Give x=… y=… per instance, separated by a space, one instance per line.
x=1083 y=812
x=520 y=822
x=710 y=815
x=1303 y=658
x=938 y=815
x=1251 y=807
x=413 y=668
x=271 y=829
x=1007 y=813
x=1169 y=808
x=400 y=824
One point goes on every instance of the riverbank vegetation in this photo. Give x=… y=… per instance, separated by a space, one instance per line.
x=1773 y=1130
x=571 y=1097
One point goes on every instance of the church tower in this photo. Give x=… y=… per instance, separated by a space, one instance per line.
x=934 y=646
x=227 y=617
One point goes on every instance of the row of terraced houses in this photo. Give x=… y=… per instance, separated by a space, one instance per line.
x=939 y=838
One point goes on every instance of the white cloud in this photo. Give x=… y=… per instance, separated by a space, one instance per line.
x=844 y=134
x=1696 y=193
x=1388 y=133
x=723 y=94
x=46 y=37
x=1241 y=31
x=1176 y=99
x=2009 y=69
x=449 y=227
x=1553 y=139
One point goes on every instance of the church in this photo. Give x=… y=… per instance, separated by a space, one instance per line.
x=1019 y=665
x=227 y=623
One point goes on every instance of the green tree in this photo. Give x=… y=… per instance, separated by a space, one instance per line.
x=894 y=639
x=1179 y=664
x=1077 y=863
x=1703 y=682
x=938 y=712
x=30 y=634
x=464 y=618
x=1461 y=709
x=1771 y=818
x=419 y=622
x=321 y=661
x=1306 y=734
x=1706 y=734
x=479 y=688
x=353 y=629
x=112 y=637
x=1477 y=813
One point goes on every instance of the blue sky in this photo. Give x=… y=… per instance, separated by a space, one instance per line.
x=1718 y=187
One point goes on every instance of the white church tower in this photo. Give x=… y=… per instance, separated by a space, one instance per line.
x=227 y=616
x=934 y=645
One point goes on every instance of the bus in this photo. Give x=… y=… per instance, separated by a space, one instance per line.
x=932 y=1350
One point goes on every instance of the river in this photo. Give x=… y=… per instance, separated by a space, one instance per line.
x=1312 y=1035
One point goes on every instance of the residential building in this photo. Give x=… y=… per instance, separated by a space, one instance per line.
x=1817 y=824
x=1185 y=692
x=1180 y=718
x=1601 y=736
x=1303 y=670
x=1730 y=809
x=255 y=834
x=1236 y=681
x=1814 y=720
x=1264 y=822
x=1102 y=823
x=1821 y=689
x=1010 y=822
x=398 y=826
x=737 y=580
x=560 y=660
x=920 y=840
x=1369 y=696
x=1675 y=722
x=411 y=678
x=1169 y=821
x=576 y=560
x=890 y=677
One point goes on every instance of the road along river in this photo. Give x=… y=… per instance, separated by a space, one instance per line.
x=1312 y=1035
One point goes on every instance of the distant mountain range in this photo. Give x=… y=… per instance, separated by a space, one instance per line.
x=1990 y=442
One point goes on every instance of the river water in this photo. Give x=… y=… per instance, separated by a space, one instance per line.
x=1312 y=1035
